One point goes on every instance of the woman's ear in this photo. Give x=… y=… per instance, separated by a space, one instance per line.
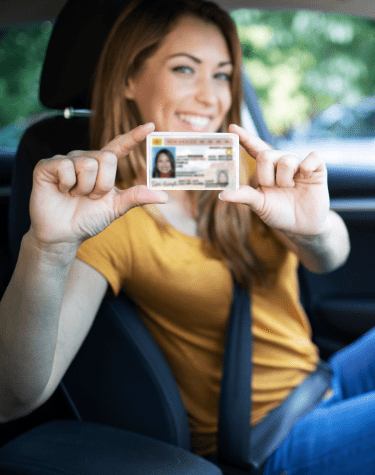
x=129 y=89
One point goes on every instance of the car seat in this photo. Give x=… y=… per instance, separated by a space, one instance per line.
x=119 y=385
x=130 y=417
x=119 y=376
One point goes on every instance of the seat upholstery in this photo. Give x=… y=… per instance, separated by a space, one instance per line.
x=119 y=376
x=77 y=448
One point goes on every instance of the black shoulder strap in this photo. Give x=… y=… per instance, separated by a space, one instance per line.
x=235 y=432
x=235 y=396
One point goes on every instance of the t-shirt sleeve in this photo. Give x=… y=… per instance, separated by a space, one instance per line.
x=109 y=253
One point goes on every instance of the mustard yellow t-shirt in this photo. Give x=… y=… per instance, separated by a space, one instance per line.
x=183 y=289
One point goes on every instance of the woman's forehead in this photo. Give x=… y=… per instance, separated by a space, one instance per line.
x=195 y=36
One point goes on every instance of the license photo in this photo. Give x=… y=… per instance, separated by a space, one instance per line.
x=190 y=161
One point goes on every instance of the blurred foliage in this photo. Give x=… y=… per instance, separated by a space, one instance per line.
x=300 y=64
x=22 y=51
x=303 y=62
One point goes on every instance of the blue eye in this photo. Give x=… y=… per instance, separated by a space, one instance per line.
x=223 y=77
x=183 y=69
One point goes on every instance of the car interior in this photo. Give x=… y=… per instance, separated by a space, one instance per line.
x=118 y=408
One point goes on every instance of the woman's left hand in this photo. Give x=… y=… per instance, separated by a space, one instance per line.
x=292 y=193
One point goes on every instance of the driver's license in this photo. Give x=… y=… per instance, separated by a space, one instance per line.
x=192 y=161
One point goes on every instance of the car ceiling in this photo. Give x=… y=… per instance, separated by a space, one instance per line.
x=26 y=11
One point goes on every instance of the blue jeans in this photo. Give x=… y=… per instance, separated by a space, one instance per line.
x=338 y=436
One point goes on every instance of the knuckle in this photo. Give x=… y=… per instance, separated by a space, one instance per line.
x=123 y=148
x=75 y=153
x=285 y=162
x=305 y=168
x=65 y=163
x=108 y=158
x=39 y=165
x=263 y=157
x=87 y=164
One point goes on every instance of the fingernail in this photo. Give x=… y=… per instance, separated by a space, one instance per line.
x=94 y=196
x=220 y=198
x=160 y=195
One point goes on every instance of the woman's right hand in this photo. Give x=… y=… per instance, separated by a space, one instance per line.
x=74 y=197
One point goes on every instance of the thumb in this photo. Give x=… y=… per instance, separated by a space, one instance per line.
x=139 y=195
x=245 y=195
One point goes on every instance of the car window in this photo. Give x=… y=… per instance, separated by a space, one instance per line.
x=312 y=72
x=315 y=78
x=22 y=51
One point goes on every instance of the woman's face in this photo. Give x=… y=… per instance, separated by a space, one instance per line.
x=163 y=163
x=185 y=85
x=223 y=178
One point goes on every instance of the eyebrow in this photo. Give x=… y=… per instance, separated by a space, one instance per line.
x=198 y=61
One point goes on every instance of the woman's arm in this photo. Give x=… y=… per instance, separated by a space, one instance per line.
x=46 y=313
x=291 y=197
x=324 y=252
x=53 y=297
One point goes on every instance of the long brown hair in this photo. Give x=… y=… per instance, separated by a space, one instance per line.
x=136 y=35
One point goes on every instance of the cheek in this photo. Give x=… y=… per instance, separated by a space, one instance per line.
x=173 y=93
x=162 y=104
x=227 y=100
x=148 y=101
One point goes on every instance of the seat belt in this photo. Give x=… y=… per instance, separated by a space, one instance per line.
x=239 y=445
x=235 y=394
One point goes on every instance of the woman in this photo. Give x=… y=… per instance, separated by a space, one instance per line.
x=176 y=69
x=223 y=177
x=164 y=164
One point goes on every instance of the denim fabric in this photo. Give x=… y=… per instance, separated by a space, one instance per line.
x=338 y=436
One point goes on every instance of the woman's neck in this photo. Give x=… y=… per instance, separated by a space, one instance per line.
x=179 y=212
x=184 y=200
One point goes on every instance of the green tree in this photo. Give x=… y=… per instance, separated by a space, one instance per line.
x=22 y=52
x=302 y=62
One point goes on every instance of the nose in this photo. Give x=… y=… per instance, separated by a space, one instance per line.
x=206 y=92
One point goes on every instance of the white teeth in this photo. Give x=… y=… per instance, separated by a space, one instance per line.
x=195 y=120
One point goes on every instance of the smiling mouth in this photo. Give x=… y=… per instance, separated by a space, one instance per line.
x=196 y=121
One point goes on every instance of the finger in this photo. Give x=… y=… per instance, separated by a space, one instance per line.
x=59 y=170
x=251 y=143
x=86 y=169
x=106 y=173
x=122 y=144
x=266 y=168
x=311 y=164
x=246 y=195
x=106 y=176
x=139 y=195
x=286 y=168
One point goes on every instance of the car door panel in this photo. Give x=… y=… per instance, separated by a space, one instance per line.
x=341 y=304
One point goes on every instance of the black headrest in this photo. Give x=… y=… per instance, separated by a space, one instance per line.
x=74 y=49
